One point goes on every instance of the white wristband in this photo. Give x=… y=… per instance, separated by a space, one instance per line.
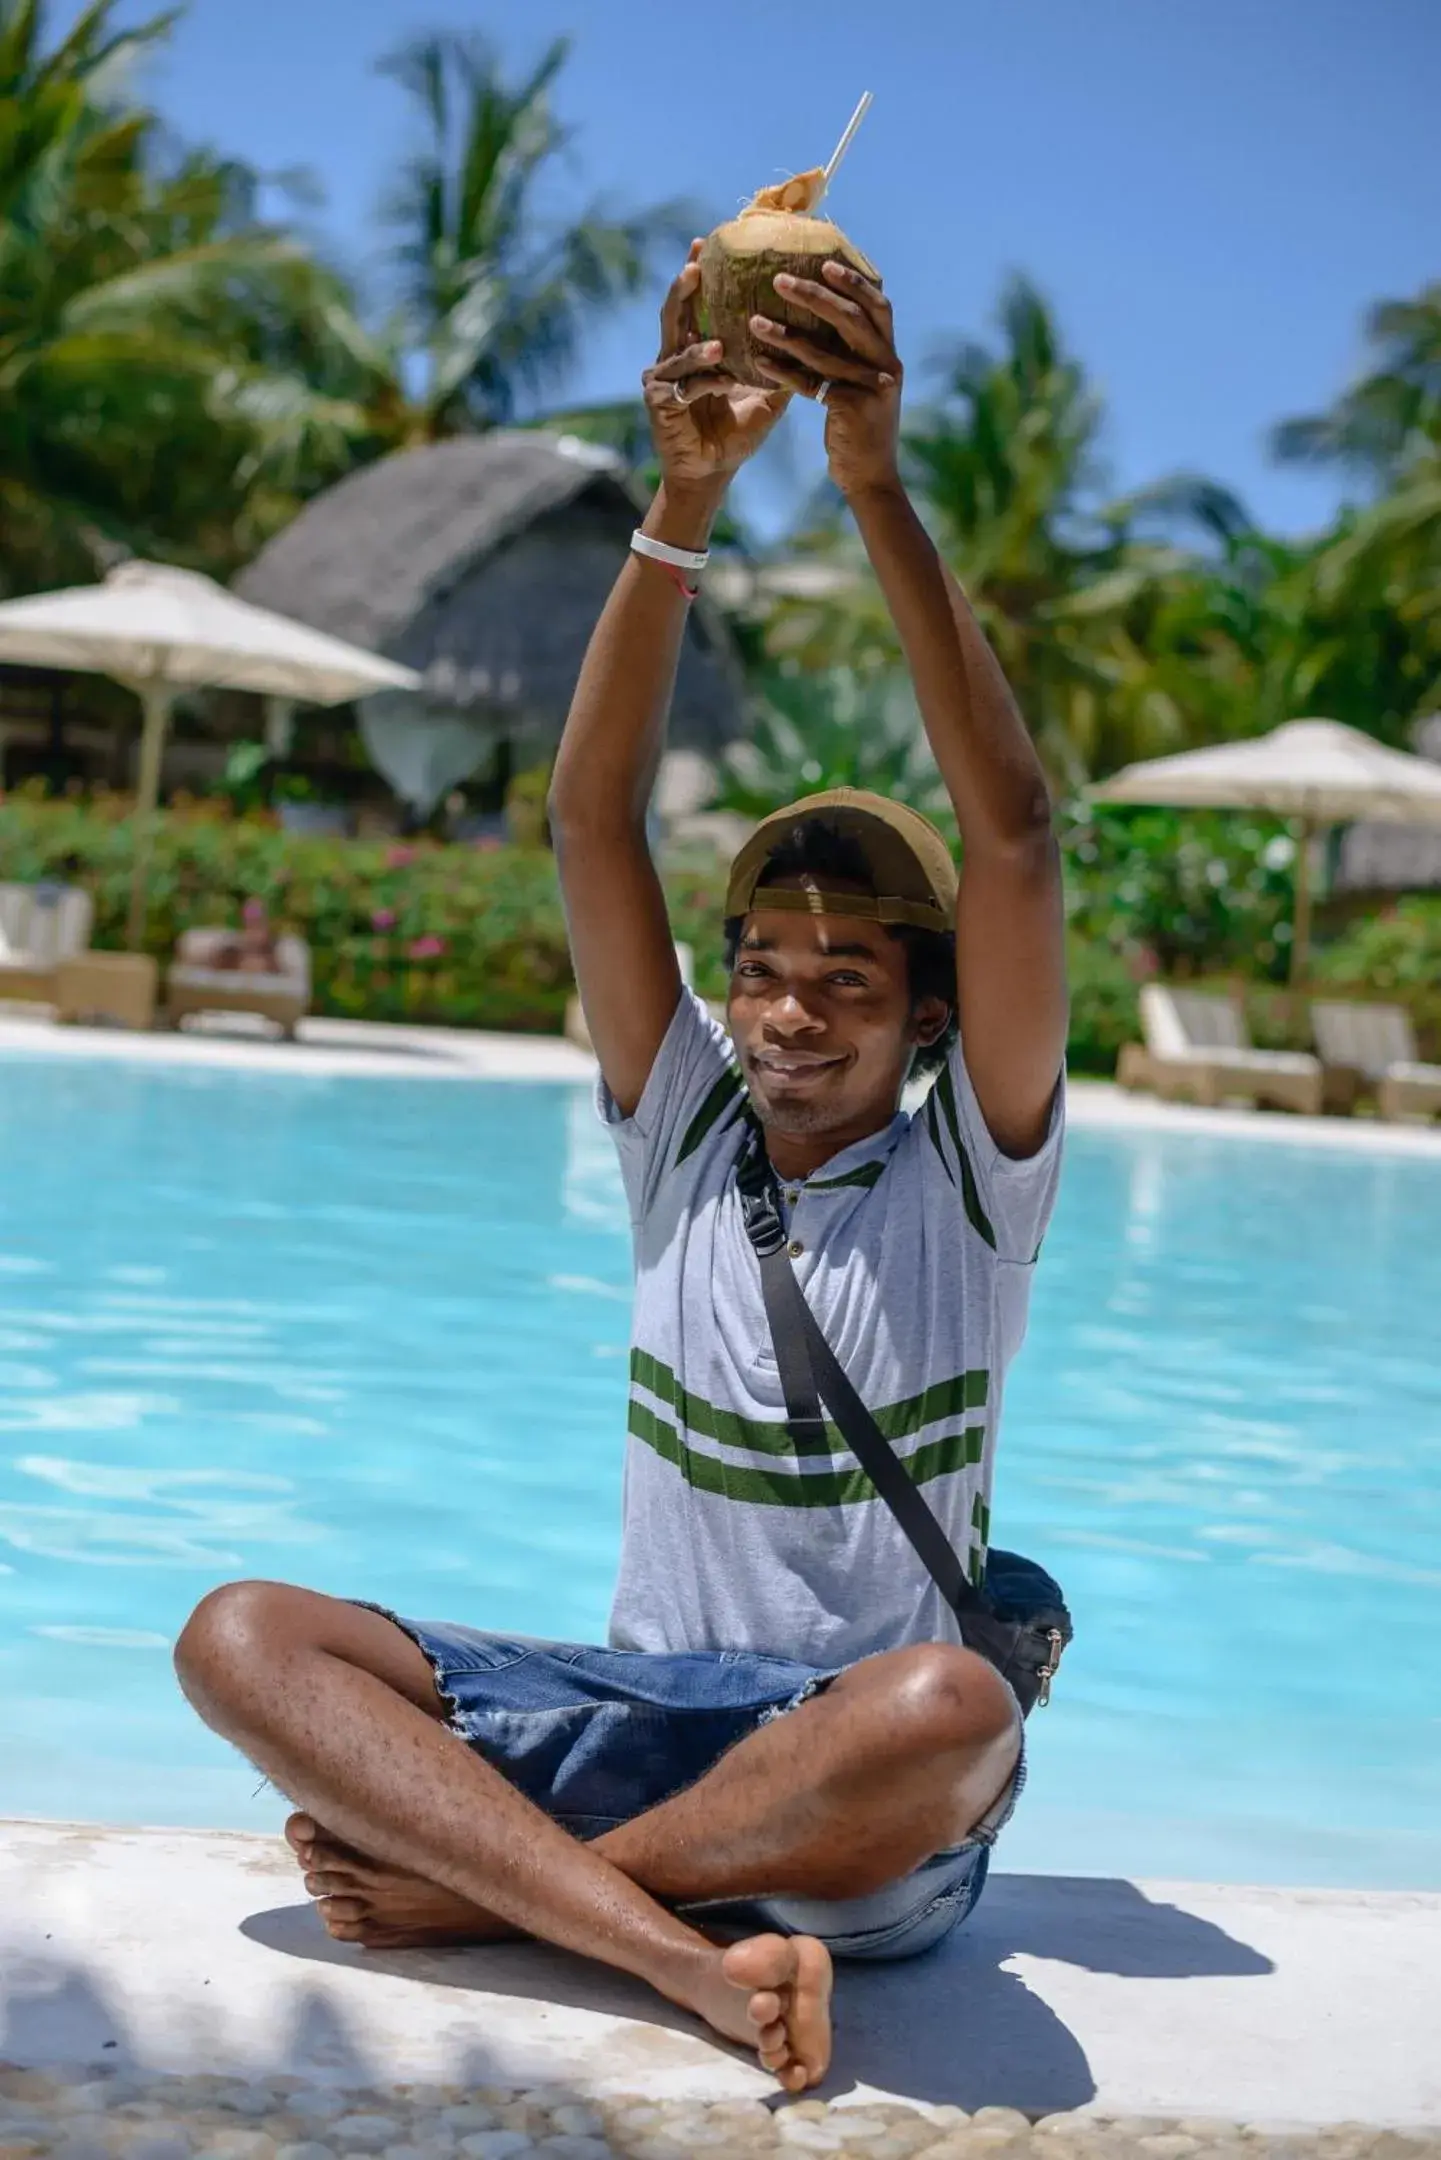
x=662 y=551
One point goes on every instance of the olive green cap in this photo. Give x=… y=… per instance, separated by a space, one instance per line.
x=909 y=863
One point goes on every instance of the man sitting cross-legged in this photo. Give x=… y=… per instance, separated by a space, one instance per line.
x=785 y=1741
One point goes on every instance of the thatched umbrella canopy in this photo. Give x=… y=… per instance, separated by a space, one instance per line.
x=483 y=563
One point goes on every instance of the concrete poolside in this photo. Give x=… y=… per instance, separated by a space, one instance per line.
x=194 y=1951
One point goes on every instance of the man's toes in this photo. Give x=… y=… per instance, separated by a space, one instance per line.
x=761 y=1962
x=344 y=1917
x=773 y=2046
x=332 y=1882
x=301 y=1831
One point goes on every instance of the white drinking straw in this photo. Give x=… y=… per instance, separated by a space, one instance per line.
x=842 y=146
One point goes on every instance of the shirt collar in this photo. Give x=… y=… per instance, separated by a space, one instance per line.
x=876 y=1147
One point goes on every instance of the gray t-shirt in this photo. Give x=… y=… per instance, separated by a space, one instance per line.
x=915 y=1248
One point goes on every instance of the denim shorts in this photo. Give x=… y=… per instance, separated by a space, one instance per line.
x=596 y=1736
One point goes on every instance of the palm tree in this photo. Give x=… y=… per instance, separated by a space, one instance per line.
x=1004 y=463
x=1376 y=579
x=160 y=346
x=493 y=298
x=1390 y=418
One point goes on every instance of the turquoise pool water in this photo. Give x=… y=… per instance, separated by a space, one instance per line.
x=371 y=1335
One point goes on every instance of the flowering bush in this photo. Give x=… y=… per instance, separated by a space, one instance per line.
x=462 y=936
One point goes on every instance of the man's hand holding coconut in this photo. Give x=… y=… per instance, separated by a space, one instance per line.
x=705 y=423
x=860 y=385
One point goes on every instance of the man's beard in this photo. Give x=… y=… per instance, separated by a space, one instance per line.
x=800 y=1116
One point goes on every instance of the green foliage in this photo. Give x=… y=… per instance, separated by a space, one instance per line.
x=1104 y=1012
x=1399 y=949
x=526 y=800
x=165 y=355
x=178 y=375
x=1181 y=893
x=836 y=729
x=494 y=296
x=1391 y=414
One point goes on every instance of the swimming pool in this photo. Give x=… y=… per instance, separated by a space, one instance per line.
x=370 y=1334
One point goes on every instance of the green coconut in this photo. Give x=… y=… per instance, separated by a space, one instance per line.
x=740 y=261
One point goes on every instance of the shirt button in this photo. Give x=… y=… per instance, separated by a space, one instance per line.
x=795 y=1248
x=792 y=1198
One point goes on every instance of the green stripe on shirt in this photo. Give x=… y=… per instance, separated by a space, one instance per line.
x=765 y=1487
x=725 y=1094
x=945 y=1090
x=898 y=1420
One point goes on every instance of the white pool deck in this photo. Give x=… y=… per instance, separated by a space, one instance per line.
x=196 y=1951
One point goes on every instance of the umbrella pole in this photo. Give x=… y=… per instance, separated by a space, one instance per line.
x=1301 y=922
x=156 y=699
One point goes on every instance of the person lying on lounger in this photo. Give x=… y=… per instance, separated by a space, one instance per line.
x=252 y=949
x=785 y=1741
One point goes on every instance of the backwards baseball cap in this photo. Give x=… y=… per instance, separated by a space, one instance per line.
x=908 y=862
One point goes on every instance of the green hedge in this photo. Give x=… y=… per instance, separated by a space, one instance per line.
x=475 y=937
x=457 y=936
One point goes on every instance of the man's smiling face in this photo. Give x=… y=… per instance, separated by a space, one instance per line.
x=821 y=1016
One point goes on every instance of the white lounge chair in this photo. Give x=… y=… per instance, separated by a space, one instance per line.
x=1377 y=1044
x=41 y=926
x=1197 y=1047
x=196 y=982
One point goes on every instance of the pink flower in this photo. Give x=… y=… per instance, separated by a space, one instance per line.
x=253 y=911
x=383 y=919
x=398 y=857
x=427 y=948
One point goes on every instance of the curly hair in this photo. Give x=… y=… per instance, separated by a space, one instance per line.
x=817 y=849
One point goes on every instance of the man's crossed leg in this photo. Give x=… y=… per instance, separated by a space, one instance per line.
x=406 y=1835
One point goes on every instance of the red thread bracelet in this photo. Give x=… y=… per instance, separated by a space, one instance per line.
x=677 y=578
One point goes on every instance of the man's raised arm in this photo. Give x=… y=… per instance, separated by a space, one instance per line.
x=1010 y=943
x=705 y=426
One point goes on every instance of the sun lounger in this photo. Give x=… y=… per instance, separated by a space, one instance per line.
x=1377 y=1044
x=197 y=982
x=41 y=927
x=1197 y=1048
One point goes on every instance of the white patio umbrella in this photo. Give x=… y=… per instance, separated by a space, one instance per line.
x=1315 y=771
x=161 y=631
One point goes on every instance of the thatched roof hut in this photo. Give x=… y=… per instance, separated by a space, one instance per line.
x=483 y=563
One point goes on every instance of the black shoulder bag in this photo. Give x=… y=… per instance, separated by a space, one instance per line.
x=1018 y=1619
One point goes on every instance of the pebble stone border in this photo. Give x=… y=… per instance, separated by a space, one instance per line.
x=85 y=2114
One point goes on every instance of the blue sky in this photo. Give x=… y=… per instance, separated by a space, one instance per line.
x=1211 y=194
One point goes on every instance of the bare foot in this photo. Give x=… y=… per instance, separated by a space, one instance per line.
x=362 y=1901
x=774 y=1993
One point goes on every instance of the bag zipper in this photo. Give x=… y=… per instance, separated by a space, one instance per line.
x=1056 y=1643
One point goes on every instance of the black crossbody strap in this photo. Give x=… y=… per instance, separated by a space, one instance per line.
x=810 y=1373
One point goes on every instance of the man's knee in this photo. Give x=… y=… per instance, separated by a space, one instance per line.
x=233 y=1633
x=953 y=1700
